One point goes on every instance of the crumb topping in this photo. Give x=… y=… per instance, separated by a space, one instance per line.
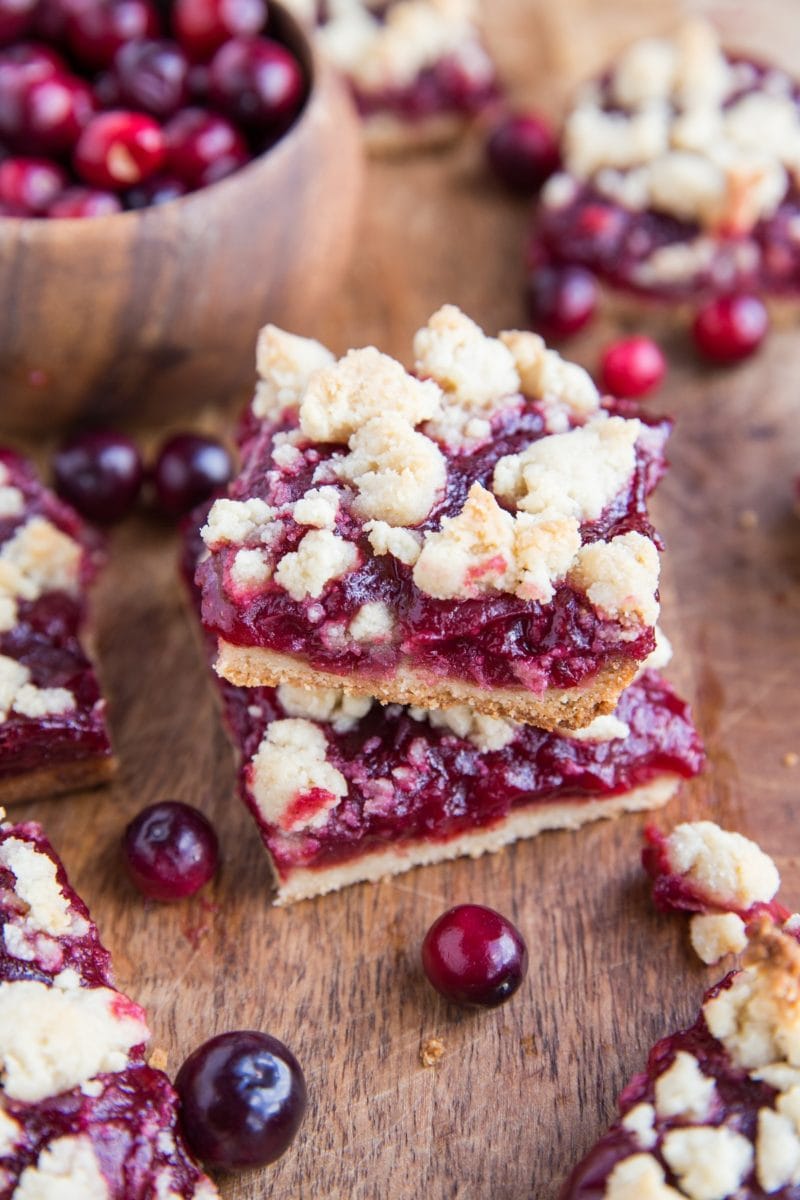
x=710 y=1162
x=318 y=507
x=320 y=557
x=566 y=391
x=398 y=472
x=65 y=1168
x=620 y=579
x=341 y=711
x=12 y=502
x=251 y=569
x=639 y=1177
x=234 y=522
x=486 y=733
x=777 y=1151
x=52 y=1040
x=669 y=142
x=372 y=623
x=36 y=559
x=727 y=868
x=713 y=935
x=605 y=728
x=285 y=364
x=290 y=763
x=19 y=695
x=48 y=909
x=640 y=1121
x=683 y=1090
x=402 y=544
x=10 y=1131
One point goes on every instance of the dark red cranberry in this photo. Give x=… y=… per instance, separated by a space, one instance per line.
x=119 y=149
x=30 y=185
x=472 y=955
x=188 y=470
x=632 y=367
x=16 y=19
x=51 y=20
x=97 y=28
x=561 y=300
x=203 y=147
x=158 y=190
x=731 y=328
x=106 y=90
x=170 y=850
x=100 y=474
x=523 y=152
x=20 y=68
x=85 y=202
x=243 y=1097
x=202 y=26
x=257 y=82
x=54 y=111
x=153 y=76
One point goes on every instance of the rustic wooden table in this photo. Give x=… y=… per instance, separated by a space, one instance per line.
x=520 y=1092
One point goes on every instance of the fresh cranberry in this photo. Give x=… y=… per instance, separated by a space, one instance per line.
x=473 y=955
x=203 y=147
x=243 y=1097
x=106 y=90
x=16 y=19
x=202 y=26
x=53 y=113
x=523 y=152
x=119 y=149
x=632 y=367
x=30 y=185
x=731 y=327
x=188 y=470
x=97 y=28
x=561 y=300
x=100 y=474
x=171 y=851
x=158 y=190
x=257 y=82
x=51 y=20
x=85 y=202
x=21 y=67
x=153 y=76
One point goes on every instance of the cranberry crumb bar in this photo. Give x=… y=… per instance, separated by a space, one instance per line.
x=53 y=735
x=716 y=1113
x=82 y=1115
x=725 y=880
x=418 y=69
x=473 y=533
x=681 y=173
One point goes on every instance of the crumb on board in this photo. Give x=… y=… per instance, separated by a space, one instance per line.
x=748 y=519
x=431 y=1052
x=158 y=1059
x=790 y=759
x=528 y=1044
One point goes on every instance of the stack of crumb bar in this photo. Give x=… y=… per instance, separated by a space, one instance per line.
x=432 y=599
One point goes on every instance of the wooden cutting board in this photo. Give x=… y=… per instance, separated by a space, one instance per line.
x=520 y=1092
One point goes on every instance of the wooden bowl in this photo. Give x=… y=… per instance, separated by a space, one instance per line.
x=150 y=315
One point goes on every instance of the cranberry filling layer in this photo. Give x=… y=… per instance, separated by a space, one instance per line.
x=408 y=780
x=495 y=640
x=449 y=87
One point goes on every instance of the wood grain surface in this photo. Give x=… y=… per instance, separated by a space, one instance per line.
x=521 y=1092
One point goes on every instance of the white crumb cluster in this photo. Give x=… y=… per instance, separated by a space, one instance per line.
x=10 y=1133
x=285 y=365
x=689 y=134
x=331 y=705
x=67 y=1168
x=778 y=1143
x=390 y=53
x=640 y=1121
x=620 y=578
x=566 y=391
x=713 y=935
x=320 y=557
x=710 y=1162
x=234 y=522
x=639 y=1177
x=683 y=1090
x=727 y=869
x=37 y=558
x=486 y=733
x=373 y=623
x=757 y=1018
x=18 y=695
x=398 y=472
x=402 y=544
x=290 y=763
x=318 y=507
x=47 y=908
x=608 y=727
x=53 y=1039
x=12 y=502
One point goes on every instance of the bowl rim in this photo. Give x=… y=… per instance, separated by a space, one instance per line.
x=318 y=73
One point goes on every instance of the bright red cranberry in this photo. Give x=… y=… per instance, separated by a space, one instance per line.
x=203 y=147
x=243 y=1097
x=202 y=26
x=85 y=202
x=632 y=367
x=21 y=67
x=561 y=300
x=170 y=850
x=523 y=152
x=188 y=470
x=16 y=19
x=257 y=82
x=54 y=111
x=472 y=955
x=158 y=190
x=100 y=474
x=731 y=327
x=97 y=28
x=30 y=185
x=119 y=149
x=153 y=76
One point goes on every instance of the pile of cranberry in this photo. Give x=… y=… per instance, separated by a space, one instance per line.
x=114 y=104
